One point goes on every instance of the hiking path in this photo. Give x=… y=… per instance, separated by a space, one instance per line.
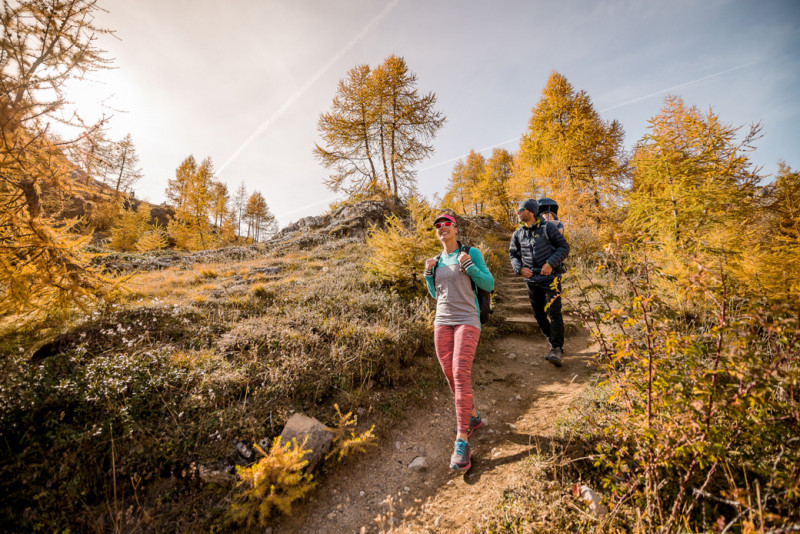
x=519 y=395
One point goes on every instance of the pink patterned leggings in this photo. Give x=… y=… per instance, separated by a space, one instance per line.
x=455 y=348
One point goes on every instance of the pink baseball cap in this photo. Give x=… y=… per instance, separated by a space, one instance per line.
x=445 y=217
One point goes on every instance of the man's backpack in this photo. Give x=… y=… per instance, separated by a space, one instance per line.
x=484 y=297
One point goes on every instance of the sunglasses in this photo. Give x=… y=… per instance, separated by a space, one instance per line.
x=521 y=210
x=445 y=223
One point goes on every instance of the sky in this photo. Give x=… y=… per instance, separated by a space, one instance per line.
x=245 y=81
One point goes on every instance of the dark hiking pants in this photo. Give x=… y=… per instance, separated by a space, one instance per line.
x=550 y=322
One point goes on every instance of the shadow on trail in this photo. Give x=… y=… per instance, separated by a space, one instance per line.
x=537 y=445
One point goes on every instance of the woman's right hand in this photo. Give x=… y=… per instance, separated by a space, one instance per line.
x=430 y=263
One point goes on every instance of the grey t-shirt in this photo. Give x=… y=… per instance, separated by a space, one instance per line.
x=455 y=301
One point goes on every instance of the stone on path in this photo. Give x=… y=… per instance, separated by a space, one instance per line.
x=418 y=464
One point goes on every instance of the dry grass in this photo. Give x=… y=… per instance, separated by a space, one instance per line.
x=195 y=359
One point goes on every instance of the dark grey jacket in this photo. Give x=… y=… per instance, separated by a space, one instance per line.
x=531 y=248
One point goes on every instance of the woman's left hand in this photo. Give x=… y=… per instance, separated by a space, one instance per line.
x=463 y=257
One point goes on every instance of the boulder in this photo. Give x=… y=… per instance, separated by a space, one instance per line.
x=319 y=436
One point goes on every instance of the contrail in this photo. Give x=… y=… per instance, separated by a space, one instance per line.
x=309 y=206
x=678 y=86
x=292 y=99
x=465 y=155
x=604 y=110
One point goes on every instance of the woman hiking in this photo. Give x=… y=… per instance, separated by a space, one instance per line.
x=452 y=278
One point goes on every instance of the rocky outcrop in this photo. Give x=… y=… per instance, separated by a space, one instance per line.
x=348 y=220
x=355 y=220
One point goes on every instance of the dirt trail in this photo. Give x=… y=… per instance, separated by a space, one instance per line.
x=519 y=395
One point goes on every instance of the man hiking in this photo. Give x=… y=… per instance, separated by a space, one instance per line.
x=536 y=251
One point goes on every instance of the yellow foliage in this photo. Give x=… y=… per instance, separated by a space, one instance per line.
x=50 y=276
x=693 y=196
x=154 y=239
x=273 y=482
x=777 y=267
x=398 y=251
x=129 y=227
x=344 y=446
x=570 y=154
x=44 y=271
x=479 y=186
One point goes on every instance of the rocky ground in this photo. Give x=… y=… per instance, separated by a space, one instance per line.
x=520 y=397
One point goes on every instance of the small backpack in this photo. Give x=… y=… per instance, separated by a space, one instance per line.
x=484 y=297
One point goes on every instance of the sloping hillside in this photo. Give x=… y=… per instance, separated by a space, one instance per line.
x=116 y=422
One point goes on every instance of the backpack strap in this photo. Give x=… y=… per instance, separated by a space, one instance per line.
x=546 y=235
x=465 y=248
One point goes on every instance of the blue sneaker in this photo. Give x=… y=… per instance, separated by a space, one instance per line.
x=474 y=423
x=462 y=456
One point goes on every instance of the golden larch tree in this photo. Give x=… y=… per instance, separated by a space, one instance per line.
x=693 y=185
x=44 y=269
x=378 y=129
x=464 y=194
x=570 y=154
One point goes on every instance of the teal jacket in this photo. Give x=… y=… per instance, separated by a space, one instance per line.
x=475 y=268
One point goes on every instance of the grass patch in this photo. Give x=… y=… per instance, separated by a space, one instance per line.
x=138 y=396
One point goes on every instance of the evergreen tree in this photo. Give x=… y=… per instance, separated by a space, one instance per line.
x=191 y=194
x=407 y=123
x=155 y=238
x=219 y=201
x=398 y=250
x=494 y=185
x=463 y=192
x=131 y=224
x=778 y=269
x=178 y=188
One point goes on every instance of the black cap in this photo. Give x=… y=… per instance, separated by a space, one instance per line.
x=530 y=205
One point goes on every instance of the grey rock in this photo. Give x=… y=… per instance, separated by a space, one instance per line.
x=418 y=464
x=318 y=436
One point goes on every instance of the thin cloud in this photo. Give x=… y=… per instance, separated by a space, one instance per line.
x=264 y=126
x=465 y=155
x=309 y=206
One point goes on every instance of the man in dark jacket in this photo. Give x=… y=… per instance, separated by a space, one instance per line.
x=536 y=251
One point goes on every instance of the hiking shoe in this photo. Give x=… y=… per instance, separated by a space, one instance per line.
x=474 y=423
x=461 y=458
x=554 y=356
